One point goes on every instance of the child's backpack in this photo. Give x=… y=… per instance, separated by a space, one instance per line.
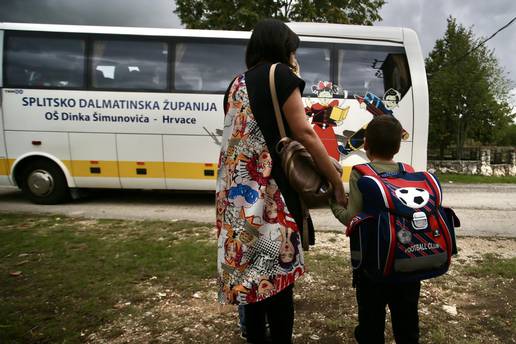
x=403 y=233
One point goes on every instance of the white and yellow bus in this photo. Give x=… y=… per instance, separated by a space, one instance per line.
x=118 y=107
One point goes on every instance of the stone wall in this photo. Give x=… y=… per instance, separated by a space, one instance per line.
x=473 y=167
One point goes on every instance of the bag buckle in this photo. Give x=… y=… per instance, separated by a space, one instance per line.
x=419 y=220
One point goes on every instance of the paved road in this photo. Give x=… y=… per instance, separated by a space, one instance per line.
x=483 y=209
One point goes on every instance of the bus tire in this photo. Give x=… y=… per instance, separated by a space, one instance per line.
x=44 y=182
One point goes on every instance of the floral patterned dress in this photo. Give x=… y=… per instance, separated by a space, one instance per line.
x=259 y=246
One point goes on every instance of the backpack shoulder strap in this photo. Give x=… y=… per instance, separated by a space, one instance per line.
x=370 y=175
x=436 y=186
x=365 y=170
x=405 y=167
x=368 y=169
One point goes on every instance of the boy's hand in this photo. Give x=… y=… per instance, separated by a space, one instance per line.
x=340 y=196
x=339 y=207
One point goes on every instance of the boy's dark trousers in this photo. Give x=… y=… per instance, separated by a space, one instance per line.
x=280 y=315
x=372 y=297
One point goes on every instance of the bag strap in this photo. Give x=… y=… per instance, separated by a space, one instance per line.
x=275 y=103
x=365 y=170
x=436 y=187
x=368 y=171
x=304 y=209
x=405 y=167
x=305 y=235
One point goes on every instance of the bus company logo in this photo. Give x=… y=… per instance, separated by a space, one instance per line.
x=422 y=247
x=17 y=91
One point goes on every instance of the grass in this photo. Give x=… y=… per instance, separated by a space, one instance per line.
x=493 y=266
x=154 y=281
x=74 y=273
x=467 y=179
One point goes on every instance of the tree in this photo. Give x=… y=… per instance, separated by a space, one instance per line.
x=244 y=14
x=508 y=136
x=468 y=90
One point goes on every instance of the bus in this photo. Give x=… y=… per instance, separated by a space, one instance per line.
x=141 y=108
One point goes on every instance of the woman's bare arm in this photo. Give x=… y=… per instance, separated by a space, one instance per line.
x=294 y=111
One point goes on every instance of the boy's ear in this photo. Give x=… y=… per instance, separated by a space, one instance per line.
x=366 y=146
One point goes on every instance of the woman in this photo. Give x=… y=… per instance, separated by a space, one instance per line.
x=259 y=216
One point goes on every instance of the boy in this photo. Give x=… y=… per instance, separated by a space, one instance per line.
x=382 y=142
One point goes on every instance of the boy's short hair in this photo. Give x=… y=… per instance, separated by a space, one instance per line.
x=383 y=136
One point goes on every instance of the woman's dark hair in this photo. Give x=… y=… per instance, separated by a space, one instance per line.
x=272 y=41
x=383 y=136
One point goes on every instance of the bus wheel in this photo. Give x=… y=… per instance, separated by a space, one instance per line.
x=44 y=182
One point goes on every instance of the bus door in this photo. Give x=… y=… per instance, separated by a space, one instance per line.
x=140 y=161
x=4 y=171
x=349 y=84
x=203 y=70
x=191 y=161
x=94 y=160
x=374 y=79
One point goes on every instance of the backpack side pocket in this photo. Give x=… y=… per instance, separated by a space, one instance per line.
x=452 y=221
x=358 y=232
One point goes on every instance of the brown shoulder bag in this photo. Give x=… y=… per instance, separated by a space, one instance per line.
x=297 y=163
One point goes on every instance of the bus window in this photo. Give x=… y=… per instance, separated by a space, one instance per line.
x=207 y=67
x=396 y=73
x=129 y=65
x=314 y=64
x=373 y=69
x=44 y=62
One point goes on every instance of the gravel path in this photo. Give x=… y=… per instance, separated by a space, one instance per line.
x=484 y=209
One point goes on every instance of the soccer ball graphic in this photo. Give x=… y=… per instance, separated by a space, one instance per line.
x=414 y=198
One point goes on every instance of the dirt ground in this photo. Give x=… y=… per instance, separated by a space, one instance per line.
x=467 y=305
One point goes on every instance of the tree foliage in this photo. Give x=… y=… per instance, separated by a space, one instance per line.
x=508 y=136
x=469 y=91
x=244 y=14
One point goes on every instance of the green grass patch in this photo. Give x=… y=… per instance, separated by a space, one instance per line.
x=467 y=179
x=493 y=266
x=100 y=281
x=74 y=271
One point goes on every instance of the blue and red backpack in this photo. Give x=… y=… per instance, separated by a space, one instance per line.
x=403 y=233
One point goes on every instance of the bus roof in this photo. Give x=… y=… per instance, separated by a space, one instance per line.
x=303 y=29
x=383 y=33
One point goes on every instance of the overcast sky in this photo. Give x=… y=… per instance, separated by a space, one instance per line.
x=427 y=17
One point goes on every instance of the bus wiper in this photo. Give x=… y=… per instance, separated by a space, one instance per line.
x=214 y=135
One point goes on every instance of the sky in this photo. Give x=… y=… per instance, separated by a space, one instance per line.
x=426 y=17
